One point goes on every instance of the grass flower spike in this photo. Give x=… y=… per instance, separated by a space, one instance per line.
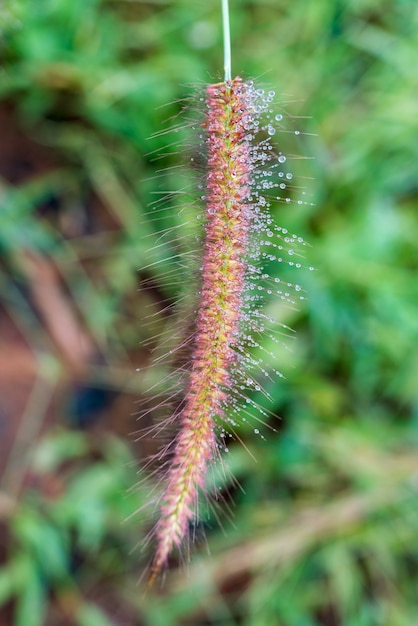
x=224 y=272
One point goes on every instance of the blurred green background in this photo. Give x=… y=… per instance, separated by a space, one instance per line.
x=324 y=531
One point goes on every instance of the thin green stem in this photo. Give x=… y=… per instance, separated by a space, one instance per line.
x=227 y=40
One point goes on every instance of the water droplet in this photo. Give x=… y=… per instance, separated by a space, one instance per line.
x=271 y=130
x=281 y=158
x=278 y=117
x=297 y=132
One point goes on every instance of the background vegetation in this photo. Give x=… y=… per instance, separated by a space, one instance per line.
x=325 y=530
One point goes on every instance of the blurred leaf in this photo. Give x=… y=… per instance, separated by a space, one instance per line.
x=47 y=545
x=91 y=615
x=59 y=448
x=31 y=601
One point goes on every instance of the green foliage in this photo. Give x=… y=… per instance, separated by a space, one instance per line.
x=325 y=529
x=66 y=534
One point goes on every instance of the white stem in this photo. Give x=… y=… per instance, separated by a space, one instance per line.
x=227 y=40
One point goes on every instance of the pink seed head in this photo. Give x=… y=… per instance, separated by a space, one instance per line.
x=228 y=220
x=234 y=210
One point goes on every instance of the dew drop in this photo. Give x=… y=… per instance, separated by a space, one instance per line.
x=278 y=117
x=281 y=158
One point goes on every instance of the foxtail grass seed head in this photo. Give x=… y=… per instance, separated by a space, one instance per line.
x=243 y=170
